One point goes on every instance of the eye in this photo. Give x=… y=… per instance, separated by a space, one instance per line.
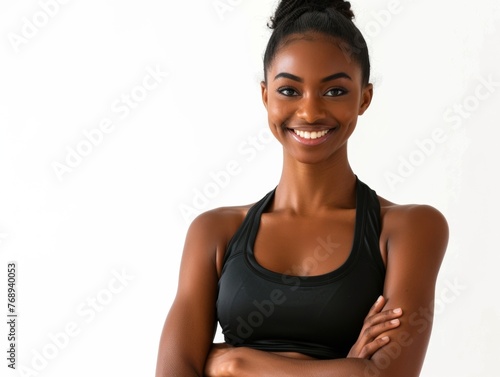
x=287 y=91
x=336 y=92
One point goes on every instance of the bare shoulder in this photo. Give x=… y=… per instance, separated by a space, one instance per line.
x=401 y=216
x=214 y=229
x=220 y=220
x=416 y=224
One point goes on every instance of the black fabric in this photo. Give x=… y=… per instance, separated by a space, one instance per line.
x=320 y=316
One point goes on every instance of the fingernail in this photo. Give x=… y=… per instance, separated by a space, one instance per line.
x=397 y=311
x=385 y=338
x=379 y=298
x=395 y=321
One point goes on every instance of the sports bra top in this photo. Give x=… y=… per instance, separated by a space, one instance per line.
x=321 y=315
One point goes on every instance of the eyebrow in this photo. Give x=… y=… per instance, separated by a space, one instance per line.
x=328 y=78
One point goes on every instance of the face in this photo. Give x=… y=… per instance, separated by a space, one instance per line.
x=313 y=96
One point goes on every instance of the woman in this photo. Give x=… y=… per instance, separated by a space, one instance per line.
x=293 y=278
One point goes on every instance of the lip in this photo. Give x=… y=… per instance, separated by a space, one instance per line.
x=312 y=142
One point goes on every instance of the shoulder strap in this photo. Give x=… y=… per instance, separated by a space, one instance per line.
x=372 y=226
x=238 y=241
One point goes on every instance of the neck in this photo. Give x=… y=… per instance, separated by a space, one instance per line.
x=313 y=188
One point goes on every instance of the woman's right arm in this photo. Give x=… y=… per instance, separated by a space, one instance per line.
x=189 y=328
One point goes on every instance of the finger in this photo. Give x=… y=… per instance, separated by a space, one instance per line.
x=377 y=306
x=370 y=332
x=386 y=315
x=369 y=349
x=374 y=331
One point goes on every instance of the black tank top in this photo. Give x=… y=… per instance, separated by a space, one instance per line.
x=320 y=316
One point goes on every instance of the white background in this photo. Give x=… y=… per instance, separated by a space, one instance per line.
x=120 y=209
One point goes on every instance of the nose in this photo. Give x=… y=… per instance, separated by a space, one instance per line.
x=311 y=109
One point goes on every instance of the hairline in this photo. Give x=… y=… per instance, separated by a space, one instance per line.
x=308 y=35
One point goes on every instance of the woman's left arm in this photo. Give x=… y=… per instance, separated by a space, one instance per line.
x=417 y=237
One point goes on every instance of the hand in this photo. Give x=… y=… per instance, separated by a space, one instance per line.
x=219 y=362
x=376 y=323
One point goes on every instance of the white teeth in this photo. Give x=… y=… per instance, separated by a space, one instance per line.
x=311 y=135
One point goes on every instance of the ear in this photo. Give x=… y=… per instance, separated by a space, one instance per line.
x=366 y=98
x=263 y=88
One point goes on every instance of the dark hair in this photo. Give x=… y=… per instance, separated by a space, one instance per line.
x=329 y=17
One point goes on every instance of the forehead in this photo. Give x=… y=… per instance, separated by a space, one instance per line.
x=312 y=55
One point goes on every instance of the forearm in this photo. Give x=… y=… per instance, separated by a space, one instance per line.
x=254 y=363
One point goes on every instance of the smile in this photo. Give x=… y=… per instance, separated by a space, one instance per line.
x=311 y=138
x=311 y=134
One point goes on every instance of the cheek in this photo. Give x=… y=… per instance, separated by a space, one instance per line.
x=276 y=114
x=347 y=111
x=349 y=114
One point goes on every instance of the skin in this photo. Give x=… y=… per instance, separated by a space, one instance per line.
x=315 y=194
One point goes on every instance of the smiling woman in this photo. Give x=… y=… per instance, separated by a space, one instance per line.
x=320 y=277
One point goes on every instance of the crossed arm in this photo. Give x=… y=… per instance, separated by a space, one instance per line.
x=225 y=360
x=416 y=245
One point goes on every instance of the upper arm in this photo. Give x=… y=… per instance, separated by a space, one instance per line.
x=189 y=327
x=416 y=245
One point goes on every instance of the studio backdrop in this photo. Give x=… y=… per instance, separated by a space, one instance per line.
x=121 y=121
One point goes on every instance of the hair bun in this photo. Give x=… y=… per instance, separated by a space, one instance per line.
x=343 y=7
x=291 y=9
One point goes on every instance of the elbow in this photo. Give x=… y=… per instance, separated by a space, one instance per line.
x=383 y=367
x=177 y=371
x=172 y=364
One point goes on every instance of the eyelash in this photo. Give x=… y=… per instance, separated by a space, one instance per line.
x=287 y=88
